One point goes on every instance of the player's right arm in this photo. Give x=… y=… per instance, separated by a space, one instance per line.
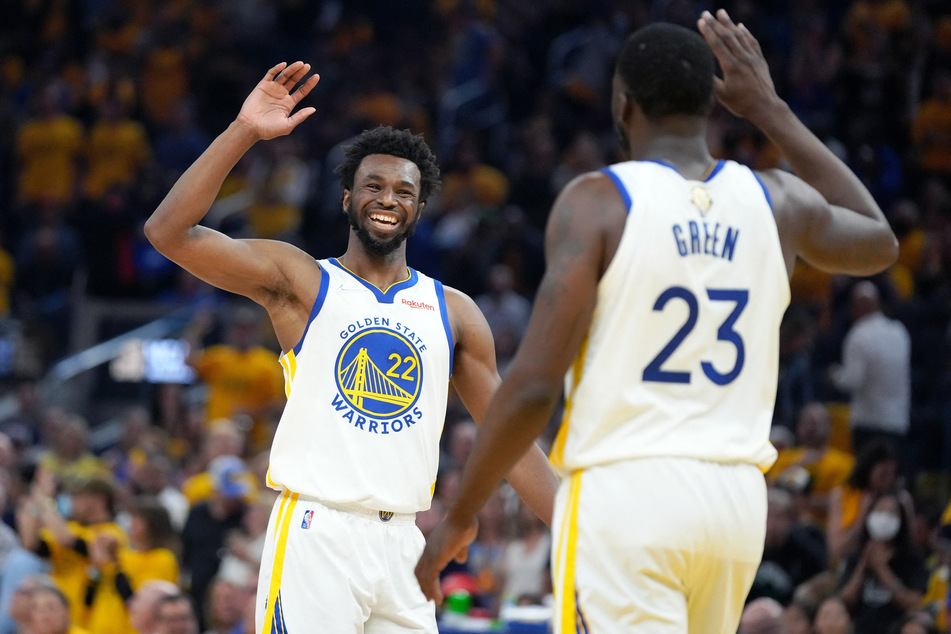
x=824 y=213
x=259 y=269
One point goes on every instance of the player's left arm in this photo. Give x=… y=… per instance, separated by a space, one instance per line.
x=476 y=378
x=584 y=214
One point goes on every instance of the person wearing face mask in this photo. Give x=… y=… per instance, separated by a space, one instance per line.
x=875 y=473
x=886 y=579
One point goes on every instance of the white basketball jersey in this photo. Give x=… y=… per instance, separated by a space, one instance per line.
x=366 y=394
x=682 y=355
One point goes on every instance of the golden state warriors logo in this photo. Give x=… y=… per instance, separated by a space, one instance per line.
x=379 y=373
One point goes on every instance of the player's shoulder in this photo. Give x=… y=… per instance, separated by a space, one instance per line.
x=590 y=203
x=465 y=316
x=598 y=184
x=458 y=303
x=788 y=193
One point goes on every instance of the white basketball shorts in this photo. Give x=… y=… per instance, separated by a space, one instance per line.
x=341 y=569
x=657 y=546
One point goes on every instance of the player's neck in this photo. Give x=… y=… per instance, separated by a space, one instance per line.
x=381 y=271
x=680 y=141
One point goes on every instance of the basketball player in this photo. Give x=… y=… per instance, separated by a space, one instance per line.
x=666 y=280
x=369 y=349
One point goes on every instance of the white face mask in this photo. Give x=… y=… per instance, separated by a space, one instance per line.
x=882 y=525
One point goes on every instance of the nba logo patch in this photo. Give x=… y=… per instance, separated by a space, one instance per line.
x=308 y=516
x=386 y=516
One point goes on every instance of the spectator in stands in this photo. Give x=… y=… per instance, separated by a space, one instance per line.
x=66 y=543
x=210 y=522
x=527 y=556
x=931 y=131
x=935 y=601
x=48 y=147
x=175 y=614
x=50 y=614
x=20 y=608
x=886 y=578
x=153 y=545
x=143 y=604
x=69 y=458
x=762 y=616
x=486 y=562
x=23 y=423
x=875 y=473
x=827 y=466
x=794 y=551
x=461 y=436
x=222 y=608
x=506 y=311
x=798 y=616
x=117 y=150
x=222 y=447
x=244 y=378
x=915 y=623
x=875 y=371
x=245 y=547
x=833 y=617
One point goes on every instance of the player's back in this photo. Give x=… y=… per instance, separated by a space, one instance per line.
x=681 y=358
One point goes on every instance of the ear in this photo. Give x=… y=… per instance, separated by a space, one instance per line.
x=627 y=106
x=346 y=200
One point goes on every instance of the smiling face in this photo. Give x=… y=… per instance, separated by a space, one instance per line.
x=383 y=206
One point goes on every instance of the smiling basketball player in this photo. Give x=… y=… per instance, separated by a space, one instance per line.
x=369 y=348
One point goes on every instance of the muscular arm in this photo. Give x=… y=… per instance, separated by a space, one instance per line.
x=824 y=213
x=476 y=379
x=560 y=319
x=258 y=269
x=522 y=406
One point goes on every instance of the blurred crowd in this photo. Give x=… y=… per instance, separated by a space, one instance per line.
x=103 y=104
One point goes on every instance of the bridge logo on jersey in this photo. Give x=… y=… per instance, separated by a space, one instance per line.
x=379 y=373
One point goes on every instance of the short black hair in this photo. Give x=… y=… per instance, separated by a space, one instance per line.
x=668 y=69
x=400 y=143
x=875 y=452
x=101 y=486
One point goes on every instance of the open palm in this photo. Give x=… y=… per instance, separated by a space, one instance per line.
x=267 y=110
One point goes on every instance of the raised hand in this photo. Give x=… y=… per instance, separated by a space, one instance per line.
x=267 y=110
x=746 y=89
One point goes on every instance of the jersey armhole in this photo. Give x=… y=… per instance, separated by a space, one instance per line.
x=315 y=309
x=444 y=313
x=621 y=188
x=769 y=199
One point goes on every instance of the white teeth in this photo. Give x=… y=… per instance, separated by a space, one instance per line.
x=390 y=220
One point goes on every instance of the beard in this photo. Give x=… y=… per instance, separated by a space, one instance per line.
x=375 y=246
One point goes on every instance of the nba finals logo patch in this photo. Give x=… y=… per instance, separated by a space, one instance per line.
x=308 y=516
x=379 y=373
x=701 y=199
x=386 y=516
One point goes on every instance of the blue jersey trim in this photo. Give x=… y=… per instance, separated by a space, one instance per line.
x=621 y=188
x=716 y=170
x=318 y=304
x=444 y=313
x=384 y=297
x=769 y=199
